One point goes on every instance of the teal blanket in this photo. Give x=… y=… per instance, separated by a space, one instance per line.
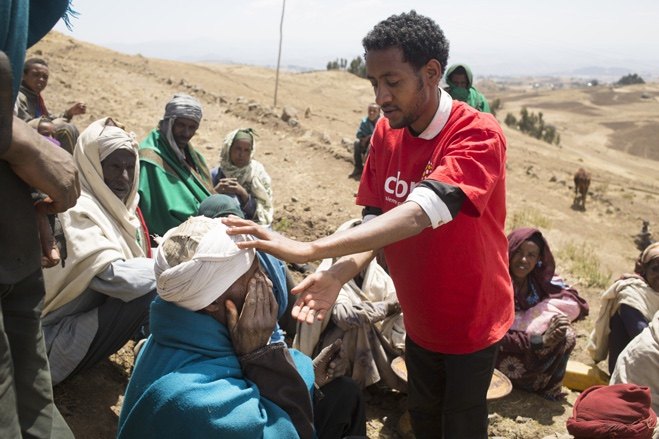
x=188 y=382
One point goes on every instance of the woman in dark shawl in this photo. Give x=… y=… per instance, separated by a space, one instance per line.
x=535 y=351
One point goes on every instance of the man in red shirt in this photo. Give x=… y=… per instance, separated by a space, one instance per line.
x=433 y=191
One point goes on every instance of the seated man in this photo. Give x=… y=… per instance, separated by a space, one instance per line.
x=360 y=147
x=208 y=366
x=99 y=299
x=220 y=206
x=637 y=363
x=30 y=104
x=367 y=318
x=461 y=87
x=174 y=177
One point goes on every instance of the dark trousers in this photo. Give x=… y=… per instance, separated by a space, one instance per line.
x=447 y=394
x=359 y=154
x=118 y=322
x=340 y=412
x=26 y=394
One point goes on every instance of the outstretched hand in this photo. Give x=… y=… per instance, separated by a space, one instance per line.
x=317 y=293
x=327 y=362
x=271 y=242
x=253 y=328
x=76 y=109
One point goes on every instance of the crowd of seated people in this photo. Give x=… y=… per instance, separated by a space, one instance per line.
x=102 y=295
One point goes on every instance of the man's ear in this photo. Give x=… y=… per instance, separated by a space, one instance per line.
x=433 y=72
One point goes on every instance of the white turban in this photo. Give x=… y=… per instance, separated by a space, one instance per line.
x=200 y=278
x=114 y=138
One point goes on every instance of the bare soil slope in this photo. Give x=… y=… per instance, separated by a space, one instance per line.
x=309 y=164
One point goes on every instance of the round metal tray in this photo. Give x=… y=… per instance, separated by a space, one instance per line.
x=500 y=385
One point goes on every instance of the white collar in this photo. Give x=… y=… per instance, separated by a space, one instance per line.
x=441 y=116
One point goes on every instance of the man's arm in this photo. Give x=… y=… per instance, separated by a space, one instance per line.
x=42 y=166
x=405 y=220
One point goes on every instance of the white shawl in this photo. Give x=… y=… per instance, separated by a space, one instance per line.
x=638 y=362
x=631 y=291
x=100 y=228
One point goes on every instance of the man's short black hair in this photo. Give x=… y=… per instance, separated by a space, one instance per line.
x=419 y=37
x=32 y=61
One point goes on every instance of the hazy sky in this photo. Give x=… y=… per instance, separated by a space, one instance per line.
x=492 y=36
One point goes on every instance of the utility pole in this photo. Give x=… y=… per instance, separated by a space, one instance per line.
x=281 y=36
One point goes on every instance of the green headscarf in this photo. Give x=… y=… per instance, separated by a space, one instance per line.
x=469 y=95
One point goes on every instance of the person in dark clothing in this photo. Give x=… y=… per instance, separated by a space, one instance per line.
x=364 y=133
x=626 y=308
x=27 y=160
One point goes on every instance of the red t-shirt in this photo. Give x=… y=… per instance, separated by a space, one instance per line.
x=452 y=282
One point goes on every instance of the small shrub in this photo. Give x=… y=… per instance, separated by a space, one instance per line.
x=534 y=125
x=510 y=120
x=282 y=224
x=528 y=217
x=584 y=264
x=632 y=78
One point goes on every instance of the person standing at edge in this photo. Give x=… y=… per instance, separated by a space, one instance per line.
x=364 y=133
x=27 y=160
x=434 y=195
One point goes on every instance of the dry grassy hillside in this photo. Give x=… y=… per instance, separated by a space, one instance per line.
x=309 y=164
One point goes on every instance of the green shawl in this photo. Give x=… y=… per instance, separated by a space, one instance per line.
x=170 y=190
x=471 y=96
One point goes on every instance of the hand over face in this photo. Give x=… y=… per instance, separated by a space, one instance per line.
x=326 y=365
x=253 y=328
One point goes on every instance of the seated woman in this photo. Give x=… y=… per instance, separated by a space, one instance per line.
x=626 y=308
x=99 y=299
x=367 y=318
x=240 y=176
x=535 y=351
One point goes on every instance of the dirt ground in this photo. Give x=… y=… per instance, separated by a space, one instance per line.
x=310 y=162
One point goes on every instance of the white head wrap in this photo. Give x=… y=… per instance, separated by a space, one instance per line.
x=113 y=139
x=650 y=253
x=195 y=280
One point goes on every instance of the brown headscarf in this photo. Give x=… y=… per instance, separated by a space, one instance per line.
x=542 y=274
